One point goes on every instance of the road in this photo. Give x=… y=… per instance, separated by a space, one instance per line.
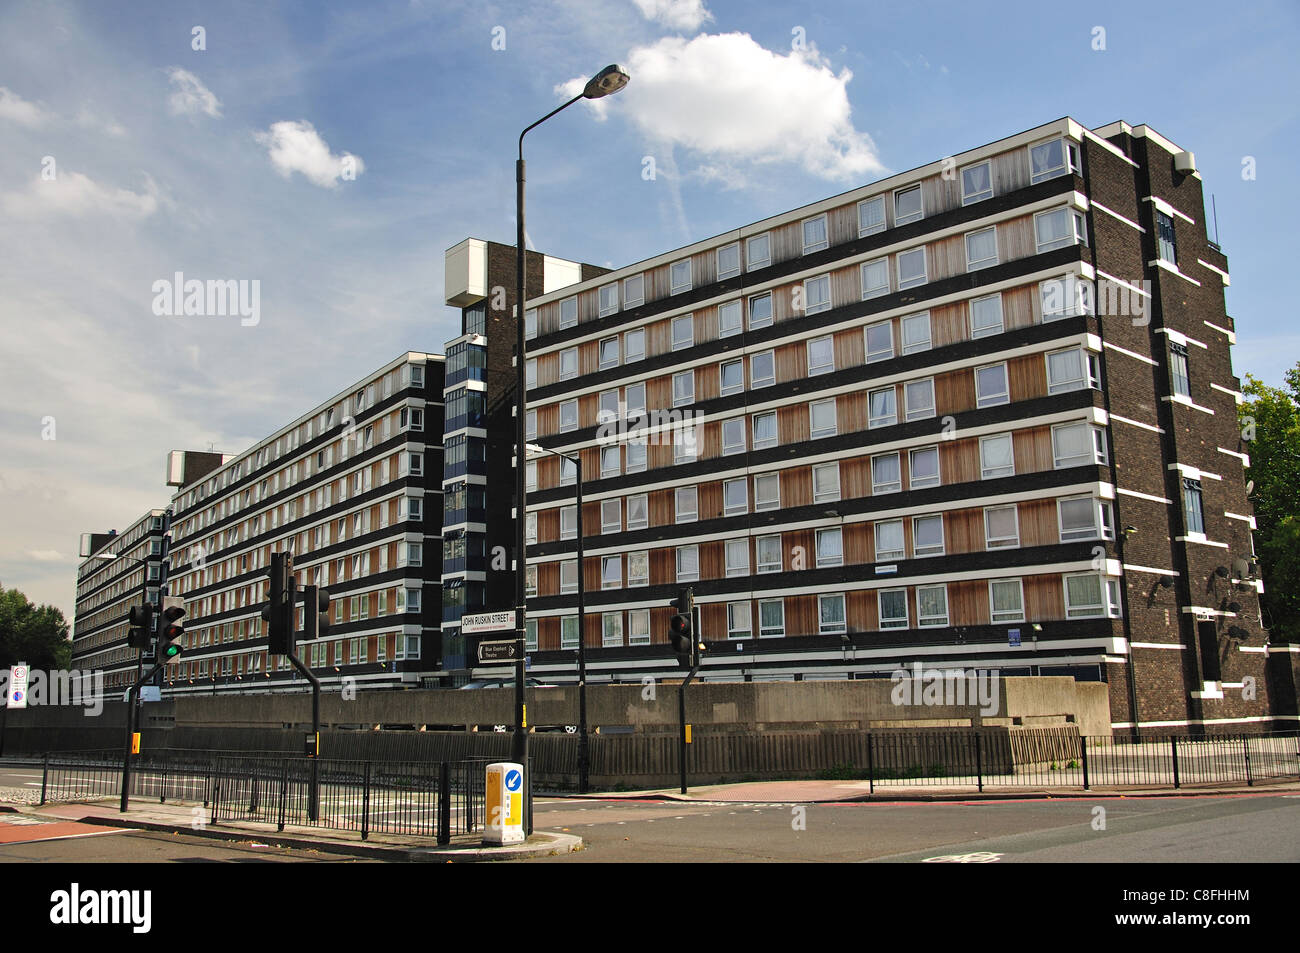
x=1260 y=828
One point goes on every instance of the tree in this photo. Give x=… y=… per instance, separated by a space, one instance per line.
x=31 y=634
x=1270 y=421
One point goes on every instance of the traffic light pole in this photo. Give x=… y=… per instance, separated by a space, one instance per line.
x=313 y=802
x=681 y=696
x=130 y=732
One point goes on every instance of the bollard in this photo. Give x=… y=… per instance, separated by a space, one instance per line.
x=444 y=804
x=871 y=765
x=365 y=802
x=1173 y=743
x=1083 y=744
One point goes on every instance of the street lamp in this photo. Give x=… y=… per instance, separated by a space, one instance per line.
x=583 y=750
x=609 y=80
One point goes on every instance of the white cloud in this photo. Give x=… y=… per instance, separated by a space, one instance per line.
x=729 y=99
x=298 y=147
x=47 y=556
x=189 y=96
x=13 y=107
x=73 y=193
x=685 y=15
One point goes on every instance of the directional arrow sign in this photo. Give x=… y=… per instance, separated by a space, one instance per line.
x=488 y=622
x=503 y=651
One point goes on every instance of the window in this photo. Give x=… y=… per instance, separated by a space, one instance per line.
x=569 y=312
x=821 y=355
x=634 y=400
x=760 y=310
x=830 y=547
x=638 y=512
x=1072 y=369
x=530 y=528
x=611 y=572
x=634 y=346
x=737 y=557
x=1001 y=527
x=830 y=614
x=568 y=471
x=636 y=455
x=568 y=363
x=875 y=278
x=916 y=332
x=684 y=446
x=767 y=491
x=688 y=563
x=1091 y=595
x=893 y=608
x=1192 y=506
x=735 y=496
x=771 y=618
x=530 y=581
x=908 y=206
x=768 y=549
x=568 y=522
x=1179 y=377
x=739 y=624
x=822 y=418
x=680 y=276
x=417 y=463
x=814 y=234
x=611 y=629
x=871 y=216
x=1047 y=160
x=683 y=388
x=728 y=259
x=568 y=576
x=530 y=373
x=609 y=353
x=923 y=466
x=568 y=415
x=1006 y=601
x=826 y=482
x=758 y=252
x=686 y=504
x=1166 y=247
x=986 y=316
x=611 y=460
x=991 y=385
x=927 y=536
x=762 y=370
x=1059 y=228
x=733 y=436
x=981 y=249
x=880 y=341
x=638 y=568
x=885 y=475
x=1078 y=444
x=683 y=331
x=530 y=425
x=889 y=540
x=1084 y=517
x=569 y=632
x=732 y=374
x=1064 y=297
x=764 y=425
x=882 y=408
x=976 y=183
x=729 y=319
x=633 y=291
x=911 y=268
x=932 y=605
x=611 y=516
x=919 y=399
x=638 y=627
x=817 y=294
x=608 y=303
x=996 y=459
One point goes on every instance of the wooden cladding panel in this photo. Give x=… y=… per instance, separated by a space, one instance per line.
x=954 y=392
x=1016 y=239
x=968 y=602
x=949 y=324
x=1027 y=377
x=1018 y=306
x=1038 y=526
x=1033 y=449
x=945 y=258
x=1044 y=597
x=796 y=486
x=963 y=531
x=792 y=424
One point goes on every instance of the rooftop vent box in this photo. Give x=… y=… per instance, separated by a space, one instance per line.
x=1185 y=163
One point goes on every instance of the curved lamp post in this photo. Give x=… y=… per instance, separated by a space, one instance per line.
x=609 y=80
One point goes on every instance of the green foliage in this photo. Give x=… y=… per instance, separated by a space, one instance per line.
x=1270 y=421
x=31 y=634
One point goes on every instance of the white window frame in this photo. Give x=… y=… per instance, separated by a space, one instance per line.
x=1089 y=375
x=611 y=516
x=749 y=311
x=826 y=365
x=878 y=289
x=877 y=355
x=681 y=514
x=767 y=481
x=1108 y=600
x=993 y=473
x=917 y=346
x=638 y=558
x=1097 y=453
x=568 y=415
x=1069 y=160
x=680 y=399
x=839 y=628
x=830 y=429
x=736 y=387
x=676 y=285
x=912 y=481
x=915 y=282
x=821 y=474
x=833 y=538
x=889 y=553
x=611 y=630
x=1077 y=230
x=874 y=227
x=1101 y=526
x=977 y=264
x=924 y=386
x=818 y=243
x=754 y=262
x=875 y=420
x=1075 y=293
x=571 y=352
x=773 y=631
x=606 y=307
x=633 y=299
x=638 y=502
x=766 y=542
x=733 y=436
x=569 y=315
x=980 y=331
x=729 y=487
x=631 y=354
x=979 y=195
x=604 y=363
x=726 y=330
x=909 y=217
x=736 y=556
x=723 y=273
x=688 y=563
x=823 y=285
x=754 y=426
x=611 y=572
x=920 y=551
x=998 y=396
x=924 y=621
x=740 y=622
x=893 y=486
x=893 y=621
x=997 y=616
x=1002 y=541
x=760 y=376
x=688 y=341
x=638 y=626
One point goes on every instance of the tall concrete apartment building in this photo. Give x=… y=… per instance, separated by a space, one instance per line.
x=978 y=414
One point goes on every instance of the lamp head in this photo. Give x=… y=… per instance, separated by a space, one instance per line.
x=609 y=80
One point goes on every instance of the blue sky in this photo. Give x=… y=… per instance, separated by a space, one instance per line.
x=232 y=162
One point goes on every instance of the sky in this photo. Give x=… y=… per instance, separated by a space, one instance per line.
x=331 y=152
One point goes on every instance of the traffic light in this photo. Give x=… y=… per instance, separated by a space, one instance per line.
x=170 y=629
x=279 y=611
x=315 y=612
x=141 y=626
x=681 y=628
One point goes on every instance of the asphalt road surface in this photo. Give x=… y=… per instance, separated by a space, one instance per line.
x=1257 y=828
